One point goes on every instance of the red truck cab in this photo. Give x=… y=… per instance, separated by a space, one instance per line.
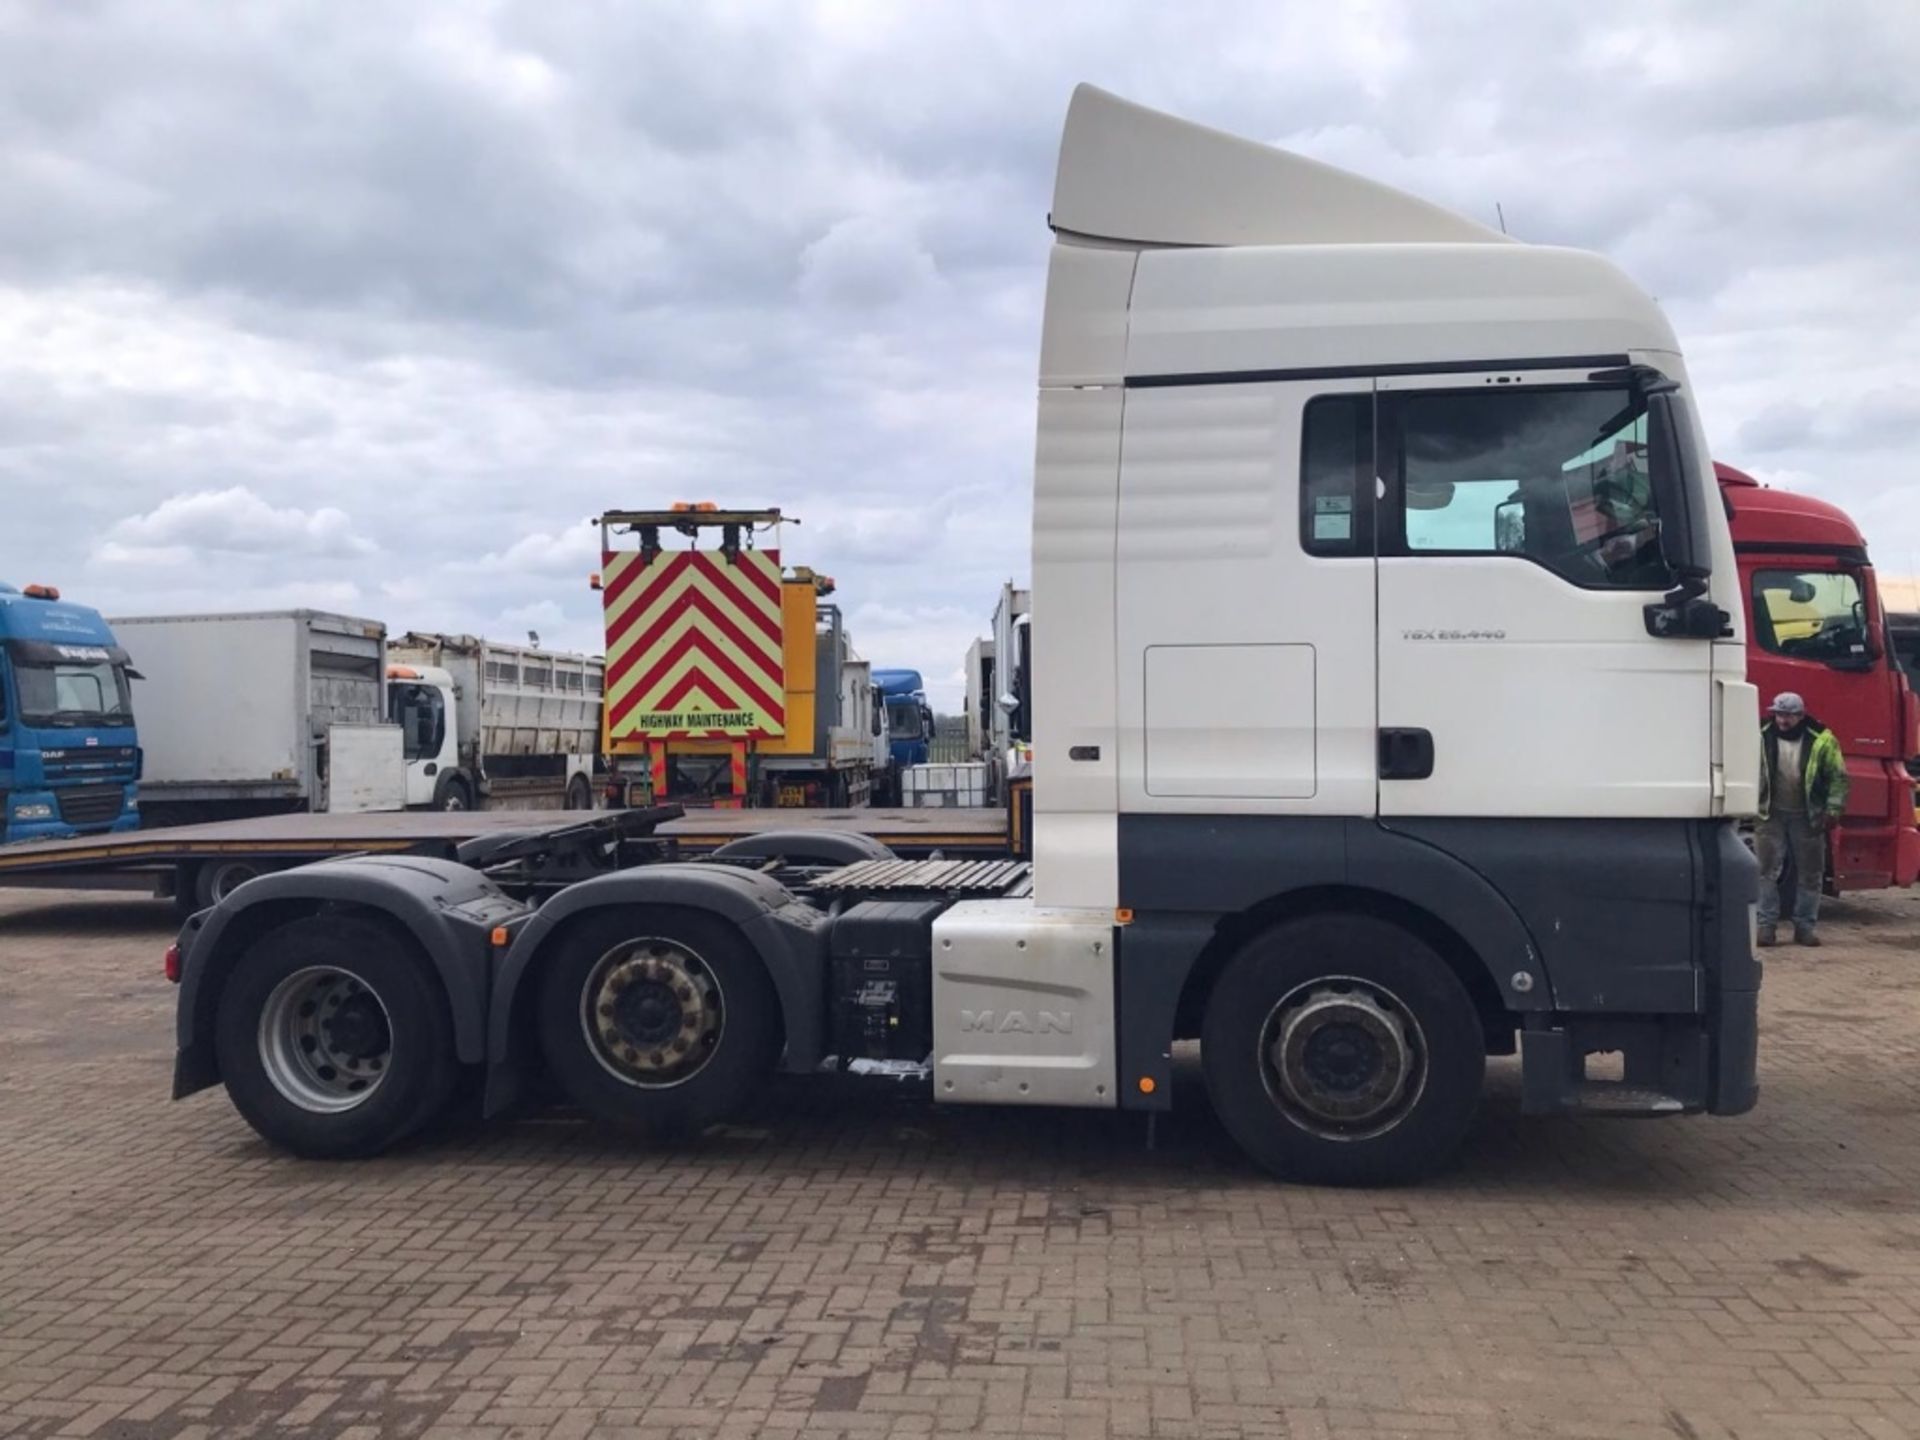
x=1816 y=626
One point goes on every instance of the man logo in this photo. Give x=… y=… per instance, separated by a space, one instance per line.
x=1018 y=1022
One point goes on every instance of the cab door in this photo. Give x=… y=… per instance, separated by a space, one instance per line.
x=1518 y=543
x=1245 y=598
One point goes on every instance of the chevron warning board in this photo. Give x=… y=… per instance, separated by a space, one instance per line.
x=694 y=644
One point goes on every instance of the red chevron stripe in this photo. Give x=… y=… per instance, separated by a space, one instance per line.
x=640 y=650
x=728 y=577
x=660 y=574
x=696 y=679
x=720 y=620
x=617 y=629
x=721 y=662
x=764 y=580
x=616 y=584
x=624 y=649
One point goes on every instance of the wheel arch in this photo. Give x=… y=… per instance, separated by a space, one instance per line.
x=787 y=937
x=1234 y=931
x=1199 y=886
x=413 y=899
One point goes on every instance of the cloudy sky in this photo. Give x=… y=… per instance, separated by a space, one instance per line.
x=371 y=308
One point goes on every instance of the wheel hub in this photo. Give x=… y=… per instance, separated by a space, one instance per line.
x=652 y=1013
x=325 y=1040
x=1340 y=1060
x=357 y=1030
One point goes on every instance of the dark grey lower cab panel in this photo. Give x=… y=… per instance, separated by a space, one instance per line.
x=1570 y=923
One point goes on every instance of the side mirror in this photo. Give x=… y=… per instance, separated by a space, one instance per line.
x=1670 y=473
x=1009 y=704
x=1674 y=477
x=1801 y=591
x=1510 y=526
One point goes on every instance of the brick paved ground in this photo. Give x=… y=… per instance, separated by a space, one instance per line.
x=856 y=1262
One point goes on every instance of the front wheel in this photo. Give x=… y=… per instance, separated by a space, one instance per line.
x=332 y=1041
x=579 y=793
x=1339 y=1049
x=656 y=1019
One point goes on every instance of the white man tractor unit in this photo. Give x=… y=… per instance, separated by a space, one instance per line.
x=1303 y=441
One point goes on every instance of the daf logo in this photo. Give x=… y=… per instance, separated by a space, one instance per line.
x=1018 y=1022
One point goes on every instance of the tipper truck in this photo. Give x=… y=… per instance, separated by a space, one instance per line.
x=1818 y=627
x=69 y=757
x=487 y=724
x=1432 y=506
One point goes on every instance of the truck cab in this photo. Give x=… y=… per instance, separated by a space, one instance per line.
x=69 y=757
x=421 y=701
x=1818 y=628
x=909 y=716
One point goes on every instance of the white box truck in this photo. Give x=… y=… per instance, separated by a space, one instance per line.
x=493 y=725
x=1388 y=712
x=261 y=714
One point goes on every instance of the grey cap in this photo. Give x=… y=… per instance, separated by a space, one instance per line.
x=1787 y=703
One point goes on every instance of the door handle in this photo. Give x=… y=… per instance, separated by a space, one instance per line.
x=1406 y=754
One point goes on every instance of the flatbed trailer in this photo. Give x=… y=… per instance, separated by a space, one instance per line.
x=201 y=864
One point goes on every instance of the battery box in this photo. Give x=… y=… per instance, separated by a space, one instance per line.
x=882 y=954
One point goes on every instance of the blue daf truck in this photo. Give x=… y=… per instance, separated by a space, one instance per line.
x=69 y=760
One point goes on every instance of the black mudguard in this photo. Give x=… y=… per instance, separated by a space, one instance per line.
x=448 y=909
x=789 y=937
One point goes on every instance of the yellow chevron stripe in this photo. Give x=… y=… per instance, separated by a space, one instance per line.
x=673 y=598
x=769 y=680
x=727 y=598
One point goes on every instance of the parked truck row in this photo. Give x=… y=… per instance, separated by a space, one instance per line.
x=1352 y=521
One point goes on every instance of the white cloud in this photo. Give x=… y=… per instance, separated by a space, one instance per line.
x=573 y=553
x=235 y=521
x=865 y=262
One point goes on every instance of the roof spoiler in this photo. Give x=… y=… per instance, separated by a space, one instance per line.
x=1134 y=176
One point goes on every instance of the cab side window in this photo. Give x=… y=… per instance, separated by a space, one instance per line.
x=423 y=720
x=1336 y=475
x=1558 y=477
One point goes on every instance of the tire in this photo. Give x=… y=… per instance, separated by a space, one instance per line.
x=1340 y=1050
x=579 y=794
x=454 y=794
x=651 y=952
x=408 y=1082
x=806 y=847
x=217 y=879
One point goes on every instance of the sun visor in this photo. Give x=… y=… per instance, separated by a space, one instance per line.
x=1137 y=177
x=47 y=652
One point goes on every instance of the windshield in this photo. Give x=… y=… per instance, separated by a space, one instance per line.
x=72 y=693
x=903 y=717
x=1810 y=614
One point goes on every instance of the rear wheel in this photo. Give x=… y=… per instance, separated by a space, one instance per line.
x=1339 y=1049
x=656 y=1019
x=217 y=879
x=332 y=1041
x=579 y=793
